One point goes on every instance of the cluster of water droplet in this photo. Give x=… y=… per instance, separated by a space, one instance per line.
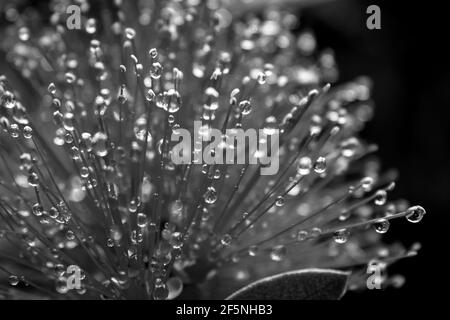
x=86 y=166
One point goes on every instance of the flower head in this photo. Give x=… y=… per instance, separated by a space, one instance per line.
x=88 y=182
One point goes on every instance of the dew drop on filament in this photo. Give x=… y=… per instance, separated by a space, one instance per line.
x=99 y=142
x=415 y=214
x=320 y=166
x=380 y=197
x=211 y=195
x=381 y=226
x=226 y=240
x=160 y=292
x=13 y=280
x=341 y=236
x=253 y=251
x=279 y=202
x=156 y=70
x=245 y=107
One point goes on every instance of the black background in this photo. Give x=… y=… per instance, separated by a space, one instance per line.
x=408 y=61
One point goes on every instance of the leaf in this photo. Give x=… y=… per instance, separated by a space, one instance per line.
x=306 y=284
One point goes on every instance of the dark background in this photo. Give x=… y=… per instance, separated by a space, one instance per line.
x=408 y=61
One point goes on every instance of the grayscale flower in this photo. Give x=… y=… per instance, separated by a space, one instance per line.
x=91 y=204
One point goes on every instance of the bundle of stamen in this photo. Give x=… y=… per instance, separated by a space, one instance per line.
x=93 y=203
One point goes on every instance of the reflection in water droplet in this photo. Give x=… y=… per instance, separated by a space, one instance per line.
x=380 y=197
x=381 y=226
x=13 y=280
x=210 y=195
x=141 y=220
x=160 y=292
x=100 y=146
x=320 y=166
x=279 y=202
x=226 y=240
x=415 y=214
x=245 y=107
x=156 y=70
x=304 y=166
x=341 y=236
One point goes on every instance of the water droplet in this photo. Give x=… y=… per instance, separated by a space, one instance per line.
x=53 y=212
x=174 y=101
x=245 y=107
x=349 y=147
x=100 y=145
x=70 y=77
x=156 y=70
x=415 y=214
x=140 y=129
x=380 y=197
x=304 y=166
x=110 y=243
x=211 y=103
x=367 y=184
x=150 y=95
x=134 y=204
x=14 y=130
x=24 y=34
x=141 y=220
x=159 y=146
x=381 y=226
x=81 y=291
x=176 y=207
x=115 y=233
x=61 y=285
x=84 y=172
x=226 y=240
x=341 y=236
x=74 y=153
x=91 y=26
x=316 y=232
x=160 y=292
x=51 y=88
x=26 y=161
x=280 y=201
x=278 y=253
x=262 y=77
x=302 y=235
x=270 y=125
x=320 y=166
x=70 y=235
x=27 y=132
x=13 y=280
x=162 y=100
x=210 y=195
x=130 y=33
x=33 y=179
x=153 y=53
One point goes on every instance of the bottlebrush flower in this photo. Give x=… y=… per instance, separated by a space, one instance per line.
x=87 y=179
